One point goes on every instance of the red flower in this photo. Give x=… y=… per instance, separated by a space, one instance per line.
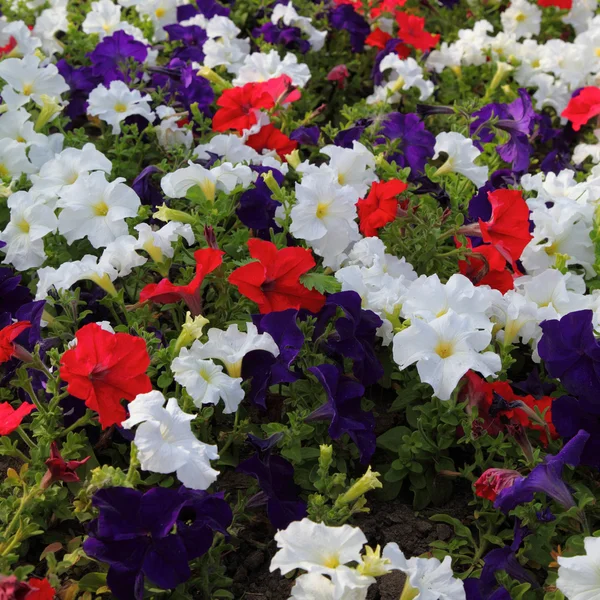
x=339 y=75
x=270 y=138
x=380 y=206
x=387 y=6
x=509 y=223
x=493 y=481
x=378 y=38
x=583 y=107
x=165 y=292
x=412 y=32
x=13 y=589
x=565 y=4
x=280 y=89
x=105 y=368
x=40 y=589
x=59 y=469
x=7 y=335
x=10 y=418
x=488 y=266
x=239 y=106
x=273 y=282
x=12 y=43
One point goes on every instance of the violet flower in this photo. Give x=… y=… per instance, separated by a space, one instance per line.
x=343 y=410
x=275 y=477
x=353 y=337
x=192 y=38
x=12 y=294
x=208 y=8
x=546 y=478
x=306 y=136
x=112 y=57
x=345 y=17
x=288 y=37
x=571 y=354
x=347 y=137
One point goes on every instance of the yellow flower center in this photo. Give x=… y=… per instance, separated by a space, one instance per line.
x=120 y=107
x=27 y=89
x=23 y=225
x=100 y=208
x=322 y=210
x=552 y=249
x=160 y=12
x=341 y=179
x=597 y=52
x=4 y=172
x=106 y=27
x=332 y=562
x=536 y=63
x=204 y=375
x=520 y=17
x=444 y=349
x=20 y=139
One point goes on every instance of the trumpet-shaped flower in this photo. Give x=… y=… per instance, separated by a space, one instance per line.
x=444 y=350
x=462 y=154
x=579 y=576
x=104 y=18
x=158 y=244
x=166 y=443
x=13 y=160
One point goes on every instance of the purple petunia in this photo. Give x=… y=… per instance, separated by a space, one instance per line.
x=192 y=38
x=306 y=136
x=343 y=409
x=118 y=57
x=345 y=17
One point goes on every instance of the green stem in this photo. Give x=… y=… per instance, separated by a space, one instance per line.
x=25 y=438
x=7 y=547
x=87 y=418
x=230 y=438
x=31 y=393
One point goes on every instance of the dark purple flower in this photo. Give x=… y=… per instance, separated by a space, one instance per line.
x=12 y=294
x=146 y=188
x=192 y=38
x=133 y=535
x=534 y=386
x=571 y=354
x=265 y=369
x=81 y=82
x=343 y=409
x=288 y=37
x=546 y=478
x=345 y=17
x=306 y=136
x=208 y=8
x=275 y=477
x=347 y=137
x=569 y=417
x=353 y=336
x=112 y=58
x=414 y=144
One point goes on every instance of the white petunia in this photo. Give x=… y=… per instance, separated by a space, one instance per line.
x=121 y=255
x=96 y=209
x=405 y=74
x=288 y=15
x=262 y=67
x=205 y=381
x=29 y=223
x=158 y=244
x=228 y=147
x=117 y=102
x=169 y=133
x=462 y=154
x=161 y=13
x=50 y=22
x=13 y=159
x=165 y=441
x=25 y=42
x=103 y=19
x=579 y=576
x=522 y=19
x=444 y=350
x=230 y=346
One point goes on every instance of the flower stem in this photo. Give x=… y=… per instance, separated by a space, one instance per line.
x=25 y=437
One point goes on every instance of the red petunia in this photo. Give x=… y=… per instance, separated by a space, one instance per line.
x=270 y=138
x=380 y=206
x=60 y=469
x=583 y=107
x=273 y=282
x=238 y=107
x=165 y=292
x=386 y=7
x=10 y=418
x=378 y=38
x=338 y=75
x=412 y=31
x=280 y=89
x=7 y=335
x=105 y=368
x=493 y=481
x=509 y=224
x=39 y=589
x=488 y=266
x=564 y=4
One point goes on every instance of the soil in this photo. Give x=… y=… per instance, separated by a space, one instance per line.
x=393 y=521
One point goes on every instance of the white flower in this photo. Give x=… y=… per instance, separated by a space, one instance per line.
x=13 y=160
x=580 y=15
x=117 y=102
x=165 y=441
x=522 y=19
x=223 y=177
x=461 y=157
x=345 y=584
x=518 y=317
x=582 y=151
x=316 y=547
x=262 y=67
x=158 y=244
x=161 y=13
x=428 y=578
x=229 y=147
x=168 y=131
x=444 y=350
x=25 y=41
x=103 y=19
x=27 y=80
x=17 y=126
x=121 y=255
x=231 y=53
x=205 y=381
x=287 y=13
x=579 y=576
x=24 y=233
x=50 y=22
x=96 y=209
x=405 y=74
x=324 y=215
x=427 y=298
x=232 y=345
x=57 y=176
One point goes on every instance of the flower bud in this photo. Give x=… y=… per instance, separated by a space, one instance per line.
x=369 y=481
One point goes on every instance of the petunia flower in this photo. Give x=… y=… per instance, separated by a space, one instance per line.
x=238 y=107
x=59 y=469
x=7 y=336
x=275 y=476
x=444 y=350
x=546 y=478
x=103 y=368
x=343 y=409
x=165 y=292
x=166 y=443
x=579 y=576
x=345 y=17
x=462 y=154
x=273 y=281
x=271 y=138
x=192 y=40
x=10 y=418
x=380 y=207
x=412 y=31
x=40 y=589
x=111 y=58
x=492 y=481
x=583 y=107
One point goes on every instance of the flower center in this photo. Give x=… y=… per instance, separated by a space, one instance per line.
x=204 y=374
x=160 y=12
x=23 y=225
x=27 y=89
x=100 y=208
x=3 y=171
x=322 y=210
x=552 y=249
x=520 y=17
x=341 y=178
x=20 y=139
x=536 y=63
x=444 y=349
x=120 y=107
x=331 y=562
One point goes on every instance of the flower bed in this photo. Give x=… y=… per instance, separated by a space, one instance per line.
x=299 y=300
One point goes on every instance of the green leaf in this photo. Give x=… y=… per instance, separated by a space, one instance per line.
x=459 y=528
x=392 y=438
x=92 y=581
x=321 y=282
